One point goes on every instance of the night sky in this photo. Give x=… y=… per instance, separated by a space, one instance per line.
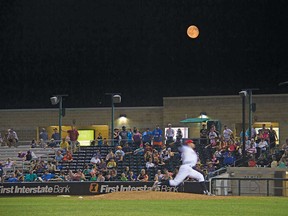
x=140 y=49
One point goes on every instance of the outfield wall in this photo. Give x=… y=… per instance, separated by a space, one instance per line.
x=88 y=188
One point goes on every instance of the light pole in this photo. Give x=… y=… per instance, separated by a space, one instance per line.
x=249 y=92
x=243 y=95
x=115 y=98
x=55 y=100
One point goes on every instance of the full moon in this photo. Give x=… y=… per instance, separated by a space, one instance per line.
x=193 y=31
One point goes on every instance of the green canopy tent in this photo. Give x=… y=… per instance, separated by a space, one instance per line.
x=194 y=120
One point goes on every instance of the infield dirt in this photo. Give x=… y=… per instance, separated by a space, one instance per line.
x=152 y=195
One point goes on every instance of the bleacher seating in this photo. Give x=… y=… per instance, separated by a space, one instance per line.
x=80 y=158
x=12 y=153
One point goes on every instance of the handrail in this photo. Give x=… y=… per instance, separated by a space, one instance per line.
x=239 y=179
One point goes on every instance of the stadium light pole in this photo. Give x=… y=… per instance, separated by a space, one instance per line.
x=249 y=92
x=55 y=100
x=115 y=98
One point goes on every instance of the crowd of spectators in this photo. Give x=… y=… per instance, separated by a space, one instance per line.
x=158 y=151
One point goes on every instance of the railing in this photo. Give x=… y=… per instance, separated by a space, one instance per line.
x=249 y=186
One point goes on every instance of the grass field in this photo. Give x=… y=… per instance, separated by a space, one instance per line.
x=53 y=205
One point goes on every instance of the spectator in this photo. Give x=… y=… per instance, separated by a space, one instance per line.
x=40 y=167
x=95 y=159
x=21 y=155
x=28 y=156
x=111 y=164
x=210 y=169
x=179 y=136
x=12 y=138
x=284 y=146
x=155 y=157
x=228 y=158
x=143 y=177
x=33 y=143
x=52 y=143
x=251 y=147
x=131 y=176
x=272 y=137
x=169 y=134
x=59 y=156
x=19 y=175
x=123 y=177
x=127 y=149
x=123 y=135
x=94 y=170
x=61 y=177
x=100 y=139
x=13 y=178
x=262 y=161
x=203 y=132
x=130 y=137
x=274 y=162
x=73 y=134
x=262 y=146
x=282 y=163
x=147 y=156
x=93 y=177
x=116 y=137
x=105 y=142
x=227 y=134
x=166 y=175
x=43 y=135
x=119 y=154
x=213 y=136
x=87 y=170
x=30 y=177
x=51 y=167
x=9 y=164
x=56 y=136
x=126 y=170
x=78 y=176
x=137 y=138
x=102 y=166
x=147 y=136
x=100 y=177
x=215 y=161
x=264 y=133
x=47 y=176
x=68 y=157
x=252 y=162
x=98 y=154
x=110 y=155
x=139 y=151
x=157 y=136
x=147 y=147
x=64 y=146
x=113 y=175
x=158 y=176
x=150 y=164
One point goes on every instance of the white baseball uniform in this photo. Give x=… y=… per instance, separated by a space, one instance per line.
x=189 y=160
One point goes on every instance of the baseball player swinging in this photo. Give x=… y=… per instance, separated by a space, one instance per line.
x=189 y=160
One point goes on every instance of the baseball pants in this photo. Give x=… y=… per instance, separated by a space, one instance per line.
x=184 y=172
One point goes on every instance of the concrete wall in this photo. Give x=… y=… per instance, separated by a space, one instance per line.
x=27 y=122
x=226 y=109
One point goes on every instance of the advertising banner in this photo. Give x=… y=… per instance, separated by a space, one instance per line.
x=88 y=188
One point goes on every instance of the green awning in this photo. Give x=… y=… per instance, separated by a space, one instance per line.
x=194 y=120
